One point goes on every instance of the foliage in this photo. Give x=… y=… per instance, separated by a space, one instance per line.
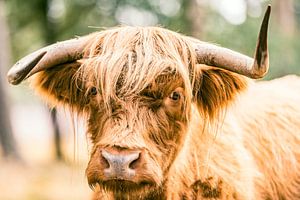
x=68 y=18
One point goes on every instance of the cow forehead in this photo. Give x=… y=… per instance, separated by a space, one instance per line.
x=127 y=60
x=129 y=78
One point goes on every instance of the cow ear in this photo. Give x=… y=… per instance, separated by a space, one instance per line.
x=60 y=85
x=215 y=88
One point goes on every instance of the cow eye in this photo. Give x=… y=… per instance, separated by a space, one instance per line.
x=175 y=96
x=93 y=91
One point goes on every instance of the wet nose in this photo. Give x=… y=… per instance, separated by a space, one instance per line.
x=122 y=164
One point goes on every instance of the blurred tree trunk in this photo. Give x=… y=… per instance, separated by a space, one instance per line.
x=285 y=16
x=196 y=15
x=7 y=141
x=50 y=37
x=57 y=135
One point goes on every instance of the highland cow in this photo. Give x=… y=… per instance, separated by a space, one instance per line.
x=171 y=117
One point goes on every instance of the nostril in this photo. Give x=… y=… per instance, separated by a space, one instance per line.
x=105 y=160
x=135 y=162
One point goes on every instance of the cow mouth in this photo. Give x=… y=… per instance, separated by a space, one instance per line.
x=125 y=186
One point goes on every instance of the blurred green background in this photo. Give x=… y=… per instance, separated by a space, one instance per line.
x=40 y=156
x=230 y=23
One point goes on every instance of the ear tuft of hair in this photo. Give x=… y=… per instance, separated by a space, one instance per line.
x=58 y=85
x=217 y=88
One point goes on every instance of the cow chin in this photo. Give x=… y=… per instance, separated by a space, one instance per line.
x=127 y=188
x=123 y=188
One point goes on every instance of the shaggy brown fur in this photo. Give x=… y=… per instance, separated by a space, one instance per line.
x=222 y=139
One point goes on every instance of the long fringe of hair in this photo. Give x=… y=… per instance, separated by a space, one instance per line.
x=123 y=61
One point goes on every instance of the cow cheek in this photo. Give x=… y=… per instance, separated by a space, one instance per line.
x=170 y=145
x=181 y=134
x=94 y=168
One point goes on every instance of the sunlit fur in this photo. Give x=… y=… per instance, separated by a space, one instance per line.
x=227 y=137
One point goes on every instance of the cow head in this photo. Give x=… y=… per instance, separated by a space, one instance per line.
x=136 y=86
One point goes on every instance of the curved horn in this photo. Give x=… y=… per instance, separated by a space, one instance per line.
x=52 y=55
x=213 y=55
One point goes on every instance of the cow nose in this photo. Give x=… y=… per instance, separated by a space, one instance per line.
x=121 y=165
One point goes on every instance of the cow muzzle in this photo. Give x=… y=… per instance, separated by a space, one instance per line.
x=122 y=165
x=122 y=169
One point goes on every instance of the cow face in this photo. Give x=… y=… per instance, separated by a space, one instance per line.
x=136 y=137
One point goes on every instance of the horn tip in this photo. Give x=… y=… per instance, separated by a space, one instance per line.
x=13 y=80
x=13 y=75
x=267 y=14
x=20 y=70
